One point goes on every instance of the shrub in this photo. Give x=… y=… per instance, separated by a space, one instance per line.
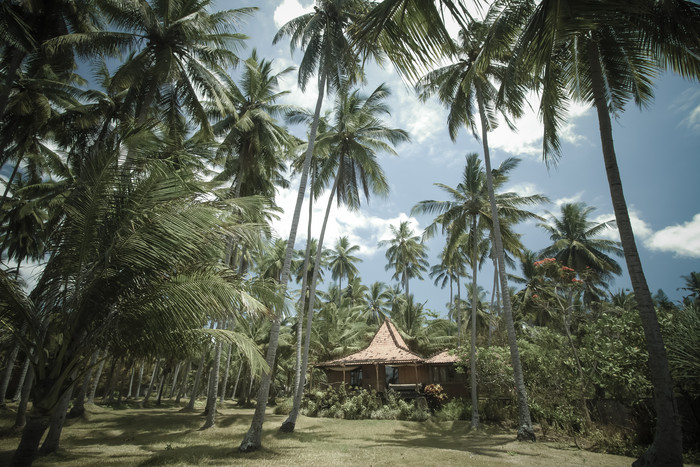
x=435 y=396
x=455 y=409
x=284 y=407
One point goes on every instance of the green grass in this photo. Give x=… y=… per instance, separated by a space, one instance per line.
x=156 y=436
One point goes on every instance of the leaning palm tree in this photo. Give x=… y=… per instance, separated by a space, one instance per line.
x=357 y=135
x=124 y=242
x=406 y=255
x=606 y=53
x=328 y=54
x=178 y=52
x=468 y=90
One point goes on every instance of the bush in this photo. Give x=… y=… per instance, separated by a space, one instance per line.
x=352 y=404
x=455 y=409
x=610 y=440
x=284 y=407
x=435 y=396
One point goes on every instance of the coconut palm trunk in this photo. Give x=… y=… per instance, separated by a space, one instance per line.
x=472 y=353
x=459 y=312
x=253 y=438
x=58 y=418
x=300 y=317
x=7 y=374
x=224 y=383
x=96 y=381
x=289 y=424
x=22 y=377
x=213 y=387
x=667 y=447
x=525 y=431
x=195 y=384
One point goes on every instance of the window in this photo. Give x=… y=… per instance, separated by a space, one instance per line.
x=356 y=377
x=445 y=374
x=392 y=374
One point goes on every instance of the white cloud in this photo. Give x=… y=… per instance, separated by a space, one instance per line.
x=568 y=200
x=422 y=120
x=527 y=138
x=290 y=9
x=361 y=229
x=524 y=189
x=688 y=104
x=641 y=228
x=682 y=240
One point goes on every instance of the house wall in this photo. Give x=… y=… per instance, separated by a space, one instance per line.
x=456 y=387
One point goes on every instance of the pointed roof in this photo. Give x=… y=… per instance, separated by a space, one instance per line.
x=387 y=346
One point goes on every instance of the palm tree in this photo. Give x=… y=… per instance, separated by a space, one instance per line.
x=178 y=52
x=113 y=257
x=354 y=139
x=406 y=255
x=328 y=54
x=692 y=285
x=466 y=87
x=467 y=216
x=605 y=54
x=253 y=140
x=378 y=299
x=342 y=260
x=443 y=274
x=575 y=246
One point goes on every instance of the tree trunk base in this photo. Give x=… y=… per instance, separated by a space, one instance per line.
x=248 y=446
x=526 y=433
x=288 y=427
x=652 y=458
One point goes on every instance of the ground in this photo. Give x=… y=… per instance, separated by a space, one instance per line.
x=165 y=436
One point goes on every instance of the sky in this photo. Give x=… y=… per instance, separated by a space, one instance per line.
x=657 y=150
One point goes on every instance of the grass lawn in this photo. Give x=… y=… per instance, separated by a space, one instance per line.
x=165 y=436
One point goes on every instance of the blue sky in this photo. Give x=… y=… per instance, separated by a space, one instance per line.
x=657 y=151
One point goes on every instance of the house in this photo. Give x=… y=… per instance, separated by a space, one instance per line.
x=387 y=363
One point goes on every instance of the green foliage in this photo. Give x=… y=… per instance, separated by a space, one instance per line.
x=613 y=348
x=284 y=407
x=341 y=402
x=454 y=409
x=682 y=335
x=357 y=404
x=551 y=378
x=615 y=441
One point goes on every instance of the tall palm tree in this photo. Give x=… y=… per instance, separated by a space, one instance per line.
x=353 y=141
x=467 y=216
x=327 y=52
x=605 y=54
x=467 y=88
x=254 y=141
x=342 y=260
x=406 y=255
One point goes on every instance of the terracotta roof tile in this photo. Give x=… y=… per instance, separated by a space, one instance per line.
x=442 y=357
x=387 y=346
